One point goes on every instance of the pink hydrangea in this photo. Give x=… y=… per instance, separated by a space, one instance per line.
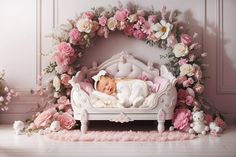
x=138 y=34
x=75 y=35
x=66 y=120
x=121 y=15
x=181 y=119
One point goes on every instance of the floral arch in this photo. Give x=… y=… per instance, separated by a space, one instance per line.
x=160 y=29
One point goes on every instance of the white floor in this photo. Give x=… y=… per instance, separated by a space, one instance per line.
x=12 y=145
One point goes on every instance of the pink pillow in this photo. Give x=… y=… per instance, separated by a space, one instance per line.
x=157 y=85
x=87 y=87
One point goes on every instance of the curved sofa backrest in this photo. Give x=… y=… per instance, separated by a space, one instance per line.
x=124 y=65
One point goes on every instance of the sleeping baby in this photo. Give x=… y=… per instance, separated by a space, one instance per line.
x=129 y=92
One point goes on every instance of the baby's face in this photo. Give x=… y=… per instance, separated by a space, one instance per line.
x=107 y=85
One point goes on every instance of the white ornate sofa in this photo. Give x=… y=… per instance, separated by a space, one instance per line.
x=123 y=65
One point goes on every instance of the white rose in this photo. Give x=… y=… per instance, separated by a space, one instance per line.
x=84 y=25
x=111 y=23
x=180 y=50
x=186 y=69
x=56 y=83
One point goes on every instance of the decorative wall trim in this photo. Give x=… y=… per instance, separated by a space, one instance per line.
x=220 y=87
x=38 y=40
x=55 y=13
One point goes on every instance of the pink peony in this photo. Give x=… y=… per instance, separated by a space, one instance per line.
x=121 y=15
x=186 y=39
x=129 y=30
x=75 y=35
x=64 y=79
x=138 y=34
x=181 y=119
x=44 y=118
x=66 y=49
x=66 y=120
x=102 y=21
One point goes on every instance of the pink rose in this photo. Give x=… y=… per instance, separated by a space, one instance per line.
x=186 y=39
x=129 y=30
x=66 y=120
x=138 y=34
x=121 y=15
x=181 y=119
x=75 y=35
x=88 y=14
x=102 y=21
x=66 y=49
x=64 y=79
x=189 y=100
x=44 y=118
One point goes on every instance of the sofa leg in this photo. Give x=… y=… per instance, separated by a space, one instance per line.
x=161 y=121
x=84 y=127
x=84 y=121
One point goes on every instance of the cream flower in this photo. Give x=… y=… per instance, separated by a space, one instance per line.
x=162 y=29
x=111 y=23
x=186 y=69
x=84 y=25
x=56 y=83
x=180 y=50
x=133 y=18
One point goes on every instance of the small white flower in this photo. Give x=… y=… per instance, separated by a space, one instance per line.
x=112 y=23
x=133 y=18
x=180 y=50
x=162 y=29
x=56 y=83
x=84 y=25
x=186 y=69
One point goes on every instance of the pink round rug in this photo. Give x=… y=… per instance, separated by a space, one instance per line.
x=120 y=136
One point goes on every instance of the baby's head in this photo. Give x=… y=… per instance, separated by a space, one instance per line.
x=104 y=83
x=107 y=85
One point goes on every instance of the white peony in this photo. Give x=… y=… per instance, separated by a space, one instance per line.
x=186 y=69
x=180 y=50
x=162 y=29
x=56 y=83
x=112 y=23
x=84 y=25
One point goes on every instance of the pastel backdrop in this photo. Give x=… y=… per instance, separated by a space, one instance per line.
x=26 y=23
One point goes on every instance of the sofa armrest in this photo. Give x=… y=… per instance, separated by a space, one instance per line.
x=167 y=75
